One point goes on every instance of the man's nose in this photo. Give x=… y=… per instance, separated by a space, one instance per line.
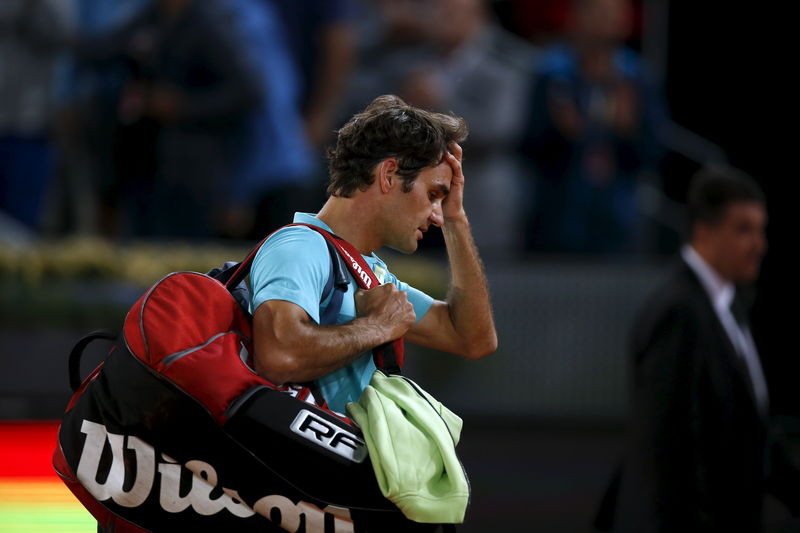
x=436 y=218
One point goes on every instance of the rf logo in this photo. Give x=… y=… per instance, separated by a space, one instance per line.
x=329 y=436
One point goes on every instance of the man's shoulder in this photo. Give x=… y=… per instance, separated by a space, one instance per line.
x=292 y=265
x=294 y=234
x=293 y=247
x=678 y=296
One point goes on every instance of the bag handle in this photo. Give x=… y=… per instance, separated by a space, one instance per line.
x=243 y=269
x=77 y=351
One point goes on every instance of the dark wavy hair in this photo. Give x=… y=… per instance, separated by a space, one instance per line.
x=389 y=127
x=715 y=188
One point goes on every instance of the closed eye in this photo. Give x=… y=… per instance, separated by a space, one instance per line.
x=440 y=192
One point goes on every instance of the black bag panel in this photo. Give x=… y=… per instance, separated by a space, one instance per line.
x=255 y=454
x=272 y=425
x=136 y=466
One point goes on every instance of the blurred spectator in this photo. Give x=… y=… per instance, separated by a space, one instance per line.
x=481 y=72
x=700 y=454
x=84 y=195
x=271 y=159
x=321 y=39
x=32 y=33
x=392 y=34
x=592 y=132
x=384 y=25
x=190 y=87
x=453 y=57
x=542 y=22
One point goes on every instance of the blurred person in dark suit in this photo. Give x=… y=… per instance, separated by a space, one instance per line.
x=700 y=454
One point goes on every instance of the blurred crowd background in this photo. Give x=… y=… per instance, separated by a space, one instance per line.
x=209 y=119
x=206 y=121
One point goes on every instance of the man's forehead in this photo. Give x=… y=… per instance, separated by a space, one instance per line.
x=441 y=179
x=746 y=209
x=442 y=174
x=435 y=178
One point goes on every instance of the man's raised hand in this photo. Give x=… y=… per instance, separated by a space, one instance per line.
x=453 y=205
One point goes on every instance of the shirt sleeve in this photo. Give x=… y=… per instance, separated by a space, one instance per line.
x=293 y=265
x=420 y=300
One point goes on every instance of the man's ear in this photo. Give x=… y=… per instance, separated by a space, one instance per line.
x=387 y=174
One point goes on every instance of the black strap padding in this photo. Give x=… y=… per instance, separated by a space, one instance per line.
x=340 y=277
x=337 y=282
x=386 y=359
x=77 y=352
x=223 y=274
x=336 y=286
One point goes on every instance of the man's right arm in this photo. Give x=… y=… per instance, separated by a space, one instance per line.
x=291 y=347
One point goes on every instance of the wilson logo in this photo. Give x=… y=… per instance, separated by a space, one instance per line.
x=365 y=277
x=130 y=483
x=330 y=436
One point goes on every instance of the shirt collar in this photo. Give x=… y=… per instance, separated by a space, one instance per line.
x=720 y=291
x=311 y=218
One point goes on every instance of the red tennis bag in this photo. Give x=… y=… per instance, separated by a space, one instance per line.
x=174 y=431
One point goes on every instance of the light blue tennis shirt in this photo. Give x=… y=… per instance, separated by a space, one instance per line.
x=294 y=265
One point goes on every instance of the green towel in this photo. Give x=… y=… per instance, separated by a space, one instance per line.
x=411 y=438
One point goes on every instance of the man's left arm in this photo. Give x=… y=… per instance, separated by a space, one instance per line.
x=784 y=477
x=463 y=324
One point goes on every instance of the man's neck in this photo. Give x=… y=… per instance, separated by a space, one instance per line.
x=352 y=219
x=715 y=285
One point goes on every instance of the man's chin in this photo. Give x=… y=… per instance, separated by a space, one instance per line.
x=405 y=249
x=749 y=275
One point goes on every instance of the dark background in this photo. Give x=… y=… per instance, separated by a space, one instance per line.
x=729 y=80
x=728 y=73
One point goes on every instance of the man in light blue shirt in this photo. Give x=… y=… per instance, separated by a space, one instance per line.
x=395 y=171
x=277 y=269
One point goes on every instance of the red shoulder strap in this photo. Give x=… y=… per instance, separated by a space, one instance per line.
x=390 y=356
